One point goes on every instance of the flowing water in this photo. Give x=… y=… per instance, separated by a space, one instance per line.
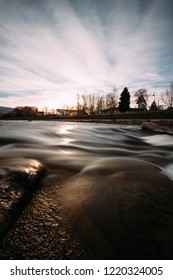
x=76 y=145
x=99 y=154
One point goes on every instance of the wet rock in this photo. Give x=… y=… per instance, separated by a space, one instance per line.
x=156 y=128
x=41 y=232
x=16 y=187
x=118 y=208
x=121 y=209
x=5 y=219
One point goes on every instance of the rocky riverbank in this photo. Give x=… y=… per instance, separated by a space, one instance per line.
x=41 y=232
x=121 y=209
x=17 y=186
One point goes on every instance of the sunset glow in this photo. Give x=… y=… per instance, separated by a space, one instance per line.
x=52 y=50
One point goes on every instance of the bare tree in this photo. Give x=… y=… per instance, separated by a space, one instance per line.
x=167 y=96
x=141 y=96
x=96 y=103
x=111 y=101
x=80 y=104
x=91 y=103
x=84 y=102
x=53 y=111
x=100 y=104
x=45 y=110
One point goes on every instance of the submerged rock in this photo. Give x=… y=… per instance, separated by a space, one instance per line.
x=153 y=127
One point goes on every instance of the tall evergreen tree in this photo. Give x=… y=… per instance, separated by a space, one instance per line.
x=153 y=106
x=124 y=104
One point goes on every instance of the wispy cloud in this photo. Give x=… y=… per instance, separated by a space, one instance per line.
x=51 y=50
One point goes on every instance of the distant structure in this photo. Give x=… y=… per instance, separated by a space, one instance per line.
x=109 y=111
x=40 y=113
x=142 y=106
x=70 y=112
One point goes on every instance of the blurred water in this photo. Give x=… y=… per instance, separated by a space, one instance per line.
x=117 y=200
x=76 y=145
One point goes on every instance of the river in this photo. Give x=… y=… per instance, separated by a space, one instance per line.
x=75 y=145
x=115 y=169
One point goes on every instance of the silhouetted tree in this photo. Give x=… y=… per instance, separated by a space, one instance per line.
x=124 y=104
x=91 y=103
x=167 y=96
x=100 y=104
x=97 y=103
x=111 y=100
x=78 y=103
x=84 y=102
x=25 y=111
x=45 y=110
x=153 y=106
x=141 y=96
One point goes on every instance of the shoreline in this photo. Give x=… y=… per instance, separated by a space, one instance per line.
x=162 y=122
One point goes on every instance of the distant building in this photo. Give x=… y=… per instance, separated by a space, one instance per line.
x=109 y=111
x=61 y=112
x=70 y=112
x=142 y=106
x=40 y=113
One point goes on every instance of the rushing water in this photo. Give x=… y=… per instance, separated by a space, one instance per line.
x=114 y=165
x=77 y=145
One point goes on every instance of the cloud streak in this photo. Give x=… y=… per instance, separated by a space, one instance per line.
x=51 y=50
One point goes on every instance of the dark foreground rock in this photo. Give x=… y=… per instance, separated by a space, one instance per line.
x=41 y=232
x=118 y=208
x=16 y=188
x=121 y=209
x=156 y=128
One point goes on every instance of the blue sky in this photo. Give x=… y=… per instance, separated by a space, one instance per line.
x=52 y=50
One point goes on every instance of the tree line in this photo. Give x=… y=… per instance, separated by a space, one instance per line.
x=111 y=103
x=107 y=103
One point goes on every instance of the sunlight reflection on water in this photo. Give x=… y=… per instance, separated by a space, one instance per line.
x=81 y=144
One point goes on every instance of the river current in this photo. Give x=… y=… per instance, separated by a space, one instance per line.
x=78 y=145
x=122 y=182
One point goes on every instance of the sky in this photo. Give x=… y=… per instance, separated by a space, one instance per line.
x=52 y=50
